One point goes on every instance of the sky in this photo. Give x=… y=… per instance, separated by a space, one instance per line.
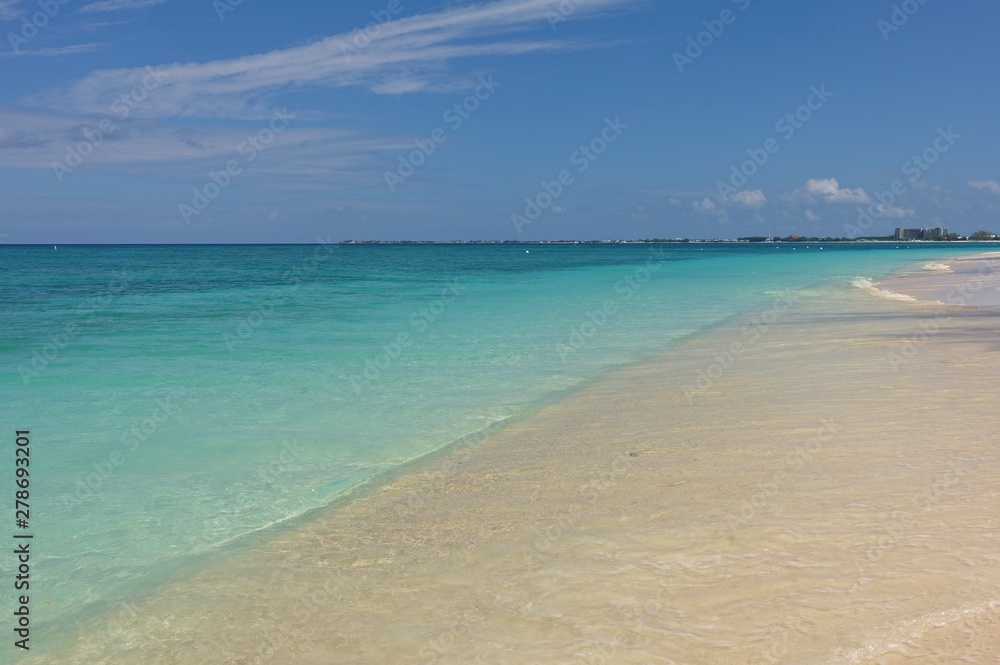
x=245 y=121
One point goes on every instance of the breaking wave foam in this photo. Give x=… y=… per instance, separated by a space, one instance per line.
x=869 y=286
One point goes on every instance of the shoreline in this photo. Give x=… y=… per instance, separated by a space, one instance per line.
x=626 y=522
x=972 y=281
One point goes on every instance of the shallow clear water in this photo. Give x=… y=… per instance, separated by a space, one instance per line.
x=180 y=398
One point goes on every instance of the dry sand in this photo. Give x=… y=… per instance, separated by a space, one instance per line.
x=828 y=491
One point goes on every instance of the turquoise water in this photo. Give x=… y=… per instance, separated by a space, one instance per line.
x=182 y=399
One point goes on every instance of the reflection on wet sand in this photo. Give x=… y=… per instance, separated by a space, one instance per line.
x=816 y=502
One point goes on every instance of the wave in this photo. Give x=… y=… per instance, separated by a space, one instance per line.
x=909 y=636
x=869 y=286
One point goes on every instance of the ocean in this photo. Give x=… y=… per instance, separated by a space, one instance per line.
x=185 y=403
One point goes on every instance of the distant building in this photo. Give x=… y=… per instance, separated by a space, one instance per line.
x=936 y=233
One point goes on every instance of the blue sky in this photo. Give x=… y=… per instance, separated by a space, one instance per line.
x=265 y=121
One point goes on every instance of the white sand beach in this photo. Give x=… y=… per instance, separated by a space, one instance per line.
x=973 y=281
x=814 y=483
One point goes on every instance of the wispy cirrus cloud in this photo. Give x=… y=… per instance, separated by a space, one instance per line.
x=9 y=10
x=298 y=157
x=51 y=52
x=17 y=138
x=118 y=5
x=407 y=55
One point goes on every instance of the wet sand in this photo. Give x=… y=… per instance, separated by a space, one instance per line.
x=973 y=281
x=817 y=482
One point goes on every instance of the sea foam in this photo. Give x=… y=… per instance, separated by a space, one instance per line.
x=869 y=286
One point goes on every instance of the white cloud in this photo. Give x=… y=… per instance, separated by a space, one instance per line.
x=18 y=138
x=893 y=211
x=115 y=5
x=710 y=208
x=991 y=186
x=749 y=198
x=406 y=55
x=50 y=52
x=557 y=210
x=9 y=10
x=298 y=157
x=829 y=190
x=674 y=201
x=811 y=216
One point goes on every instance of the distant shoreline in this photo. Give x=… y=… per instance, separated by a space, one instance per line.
x=653 y=241
x=658 y=241
x=716 y=529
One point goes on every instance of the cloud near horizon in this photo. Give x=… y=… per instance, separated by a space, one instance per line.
x=830 y=191
x=749 y=198
x=991 y=186
x=893 y=212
